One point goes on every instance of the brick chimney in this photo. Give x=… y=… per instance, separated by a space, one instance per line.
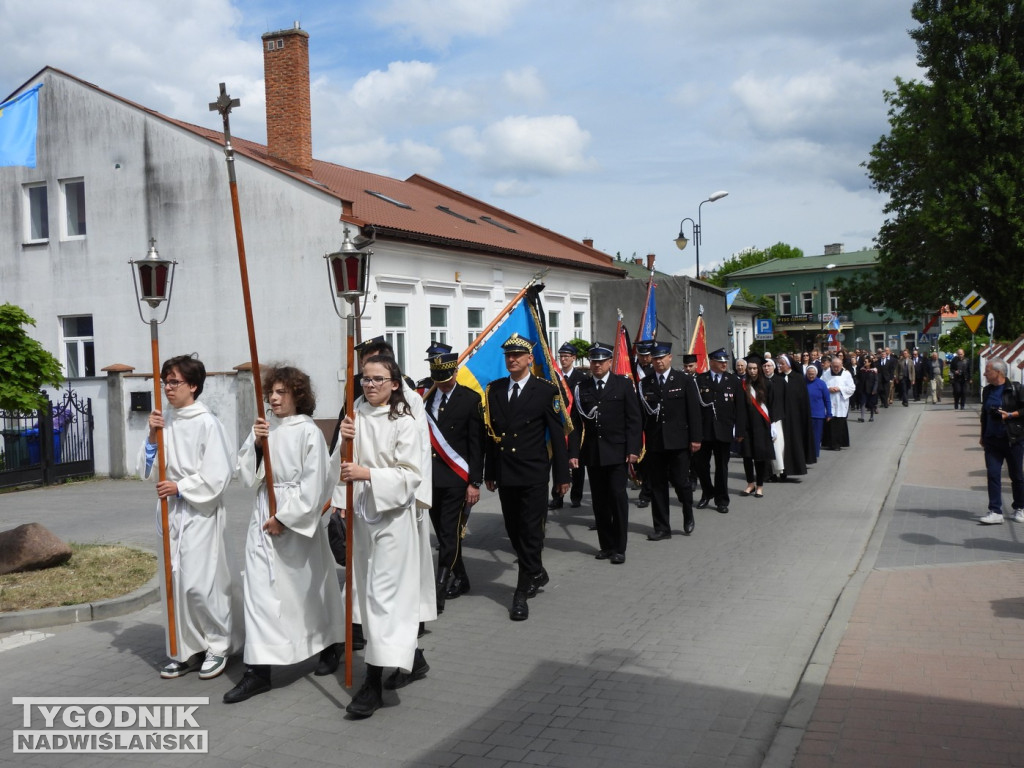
x=588 y=241
x=286 y=76
x=650 y=261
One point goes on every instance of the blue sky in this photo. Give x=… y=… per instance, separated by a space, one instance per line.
x=602 y=119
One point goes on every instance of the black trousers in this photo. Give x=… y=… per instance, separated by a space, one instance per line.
x=524 y=509
x=576 y=487
x=611 y=505
x=664 y=467
x=959 y=393
x=448 y=516
x=719 y=489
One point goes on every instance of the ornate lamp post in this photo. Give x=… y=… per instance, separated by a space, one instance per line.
x=153 y=278
x=682 y=240
x=348 y=270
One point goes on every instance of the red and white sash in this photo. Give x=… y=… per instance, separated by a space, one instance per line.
x=761 y=407
x=449 y=455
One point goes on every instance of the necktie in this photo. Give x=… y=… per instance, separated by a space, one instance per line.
x=661 y=379
x=444 y=401
x=600 y=386
x=515 y=394
x=718 y=379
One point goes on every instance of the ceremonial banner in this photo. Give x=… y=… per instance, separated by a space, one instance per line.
x=19 y=123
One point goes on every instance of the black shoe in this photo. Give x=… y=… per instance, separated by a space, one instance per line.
x=520 y=610
x=704 y=501
x=641 y=503
x=366 y=701
x=542 y=578
x=592 y=527
x=400 y=679
x=617 y=559
x=723 y=509
x=459 y=585
x=358 y=641
x=555 y=504
x=604 y=554
x=575 y=504
x=250 y=685
x=688 y=526
x=659 y=535
x=329 y=660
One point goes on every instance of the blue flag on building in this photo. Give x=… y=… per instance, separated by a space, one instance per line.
x=730 y=297
x=19 y=123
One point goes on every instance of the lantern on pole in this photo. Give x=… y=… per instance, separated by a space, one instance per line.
x=348 y=270
x=154 y=278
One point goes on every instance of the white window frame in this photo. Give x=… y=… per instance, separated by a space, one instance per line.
x=29 y=218
x=397 y=335
x=554 y=320
x=80 y=348
x=66 y=210
x=877 y=340
x=578 y=321
x=474 y=329
x=807 y=302
x=439 y=331
x=833 y=301
x=784 y=303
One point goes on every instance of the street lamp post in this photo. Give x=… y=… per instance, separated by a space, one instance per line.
x=681 y=241
x=348 y=270
x=153 y=278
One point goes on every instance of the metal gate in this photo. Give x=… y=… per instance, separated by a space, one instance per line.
x=48 y=445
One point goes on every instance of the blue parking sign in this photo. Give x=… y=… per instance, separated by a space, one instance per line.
x=763 y=330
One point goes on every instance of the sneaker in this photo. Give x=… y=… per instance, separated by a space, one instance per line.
x=178 y=668
x=213 y=666
x=992 y=518
x=1017 y=516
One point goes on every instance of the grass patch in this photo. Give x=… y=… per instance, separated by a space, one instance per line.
x=94 y=572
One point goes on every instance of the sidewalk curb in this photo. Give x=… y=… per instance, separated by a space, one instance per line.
x=791 y=729
x=75 y=614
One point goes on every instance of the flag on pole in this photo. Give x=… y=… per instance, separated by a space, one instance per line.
x=699 y=345
x=19 y=124
x=649 y=322
x=835 y=325
x=487 y=362
x=730 y=297
x=621 y=362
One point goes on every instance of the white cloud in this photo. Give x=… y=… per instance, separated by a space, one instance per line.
x=378 y=155
x=435 y=23
x=554 y=145
x=513 y=188
x=524 y=84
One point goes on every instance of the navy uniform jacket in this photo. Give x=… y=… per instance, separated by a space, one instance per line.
x=462 y=424
x=679 y=422
x=723 y=406
x=517 y=448
x=614 y=431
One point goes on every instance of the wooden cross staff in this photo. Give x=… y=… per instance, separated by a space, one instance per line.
x=223 y=104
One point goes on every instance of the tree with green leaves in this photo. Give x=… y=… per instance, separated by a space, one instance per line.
x=750 y=257
x=24 y=365
x=952 y=166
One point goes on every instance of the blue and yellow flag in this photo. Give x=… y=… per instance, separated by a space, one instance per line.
x=488 y=361
x=19 y=123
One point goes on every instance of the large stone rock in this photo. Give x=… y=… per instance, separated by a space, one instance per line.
x=31 y=547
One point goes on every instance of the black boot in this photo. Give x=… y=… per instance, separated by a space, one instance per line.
x=255 y=681
x=370 y=697
x=330 y=657
x=459 y=584
x=441 y=588
x=358 y=641
x=400 y=679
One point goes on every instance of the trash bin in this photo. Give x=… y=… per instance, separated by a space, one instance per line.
x=33 y=446
x=16 y=453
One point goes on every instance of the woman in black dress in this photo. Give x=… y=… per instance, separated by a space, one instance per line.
x=756 y=448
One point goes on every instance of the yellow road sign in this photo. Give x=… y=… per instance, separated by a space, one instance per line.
x=973 y=321
x=972 y=302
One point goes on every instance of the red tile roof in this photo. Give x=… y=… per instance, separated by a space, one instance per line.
x=504 y=234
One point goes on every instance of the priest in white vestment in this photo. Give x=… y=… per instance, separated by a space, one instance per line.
x=841 y=387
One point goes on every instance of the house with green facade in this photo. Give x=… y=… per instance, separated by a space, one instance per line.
x=807 y=301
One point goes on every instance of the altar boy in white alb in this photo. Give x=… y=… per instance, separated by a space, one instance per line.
x=293 y=603
x=200 y=462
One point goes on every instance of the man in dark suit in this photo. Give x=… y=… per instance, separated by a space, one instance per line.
x=919 y=373
x=455 y=416
x=673 y=430
x=643 y=349
x=573 y=377
x=724 y=414
x=905 y=375
x=886 y=376
x=958 y=374
x=611 y=439
x=521 y=410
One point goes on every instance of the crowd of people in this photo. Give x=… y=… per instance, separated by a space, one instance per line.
x=420 y=455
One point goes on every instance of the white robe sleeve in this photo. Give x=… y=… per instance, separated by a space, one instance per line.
x=204 y=487
x=299 y=502
x=248 y=472
x=394 y=487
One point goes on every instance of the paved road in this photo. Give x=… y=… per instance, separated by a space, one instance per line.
x=687 y=655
